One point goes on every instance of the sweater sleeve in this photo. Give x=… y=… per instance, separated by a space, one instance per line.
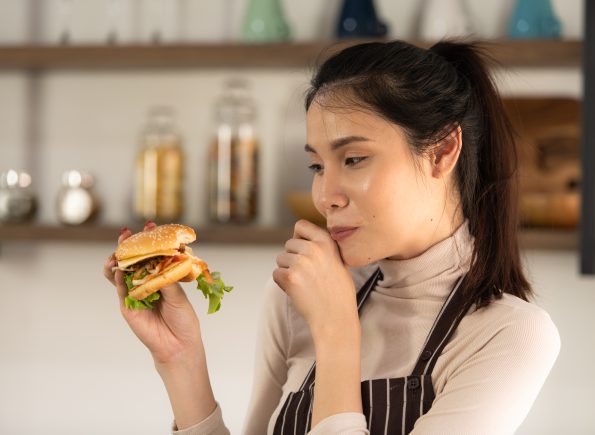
x=212 y=425
x=347 y=423
x=493 y=391
x=270 y=361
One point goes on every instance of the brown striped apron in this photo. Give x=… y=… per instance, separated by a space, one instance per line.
x=391 y=406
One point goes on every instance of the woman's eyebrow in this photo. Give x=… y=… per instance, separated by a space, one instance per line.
x=338 y=143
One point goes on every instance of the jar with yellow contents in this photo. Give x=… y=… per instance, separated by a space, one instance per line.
x=159 y=169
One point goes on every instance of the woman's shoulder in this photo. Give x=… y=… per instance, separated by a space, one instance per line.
x=519 y=309
x=518 y=319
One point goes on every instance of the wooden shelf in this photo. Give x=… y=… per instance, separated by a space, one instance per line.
x=558 y=239
x=531 y=53
x=243 y=235
x=220 y=234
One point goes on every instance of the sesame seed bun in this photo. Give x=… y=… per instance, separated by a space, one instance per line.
x=161 y=238
x=173 y=273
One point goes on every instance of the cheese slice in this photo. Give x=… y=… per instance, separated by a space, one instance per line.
x=124 y=264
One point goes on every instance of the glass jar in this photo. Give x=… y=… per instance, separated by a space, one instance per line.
x=17 y=201
x=76 y=201
x=159 y=169
x=233 y=157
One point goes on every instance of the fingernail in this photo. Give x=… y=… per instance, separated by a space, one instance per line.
x=149 y=222
x=123 y=230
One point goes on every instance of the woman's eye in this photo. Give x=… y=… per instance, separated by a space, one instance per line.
x=316 y=168
x=352 y=161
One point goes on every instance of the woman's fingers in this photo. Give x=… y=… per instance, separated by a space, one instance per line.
x=174 y=294
x=124 y=234
x=306 y=230
x=108 y=264
x=286 y=259
x=149 y=225
x=297 y=246
x=121 y=288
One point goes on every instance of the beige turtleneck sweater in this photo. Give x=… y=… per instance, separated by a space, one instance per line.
x=485 y=380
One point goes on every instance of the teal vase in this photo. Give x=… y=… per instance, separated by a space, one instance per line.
x=264 y=21
x=533 y=19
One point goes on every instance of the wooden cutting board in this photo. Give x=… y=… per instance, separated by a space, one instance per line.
x=548 y=137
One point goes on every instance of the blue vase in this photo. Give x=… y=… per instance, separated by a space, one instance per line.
x=533 y=19
x=358 y=19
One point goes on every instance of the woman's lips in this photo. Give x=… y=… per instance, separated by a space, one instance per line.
x=341 y=233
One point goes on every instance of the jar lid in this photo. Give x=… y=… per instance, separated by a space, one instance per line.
x=15 y=179
x=74 y=178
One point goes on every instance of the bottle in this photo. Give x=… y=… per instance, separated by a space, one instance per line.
x=233 y=158
x=444 y=18
x=264 y=21
x=533 y=19
x=159 y=169
x=358 y=19
x=76 y=202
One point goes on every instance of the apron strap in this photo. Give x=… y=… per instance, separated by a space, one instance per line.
x=452 y=312
x=362 y=295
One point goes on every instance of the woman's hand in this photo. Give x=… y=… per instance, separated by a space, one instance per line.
x=313 y=275
x=170 y=330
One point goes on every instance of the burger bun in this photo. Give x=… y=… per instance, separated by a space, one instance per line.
x=158 y=239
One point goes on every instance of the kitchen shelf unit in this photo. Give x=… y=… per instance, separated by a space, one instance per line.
x=238 y=234
x=36 y=59
x=508 y=53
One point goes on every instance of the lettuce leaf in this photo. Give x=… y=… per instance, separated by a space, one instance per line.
x=144 y=304
x=213 y=290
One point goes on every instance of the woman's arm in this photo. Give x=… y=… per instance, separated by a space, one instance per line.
x=171 y=332
x=493 y=391
x=338 y=374
x=312 y=274
x=189 y=389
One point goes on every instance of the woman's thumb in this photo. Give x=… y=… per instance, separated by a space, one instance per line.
x=174 y=294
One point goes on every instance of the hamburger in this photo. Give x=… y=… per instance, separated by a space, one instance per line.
x=160 y=256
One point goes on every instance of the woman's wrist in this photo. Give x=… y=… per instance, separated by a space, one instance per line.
x=333 y=345
x=338 y=374
x=342 y=337
x=189 y=389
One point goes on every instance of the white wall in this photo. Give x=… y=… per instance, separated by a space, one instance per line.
x=70 y=365
x=67 y=360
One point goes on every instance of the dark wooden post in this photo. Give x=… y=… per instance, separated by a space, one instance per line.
x=588 y=144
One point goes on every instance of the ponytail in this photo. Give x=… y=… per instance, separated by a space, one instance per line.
x=425 y=92
x=490 y=202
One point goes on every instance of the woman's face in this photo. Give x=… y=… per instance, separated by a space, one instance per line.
x=376 y=202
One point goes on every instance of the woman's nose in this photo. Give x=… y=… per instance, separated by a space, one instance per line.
x=331 y=194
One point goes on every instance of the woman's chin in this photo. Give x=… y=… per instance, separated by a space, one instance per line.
x=353 y=258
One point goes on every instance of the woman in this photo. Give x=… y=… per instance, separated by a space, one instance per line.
x=415 y=171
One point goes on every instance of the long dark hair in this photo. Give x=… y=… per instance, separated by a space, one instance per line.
x=427 y=92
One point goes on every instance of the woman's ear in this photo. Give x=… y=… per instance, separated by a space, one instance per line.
x=445 y=154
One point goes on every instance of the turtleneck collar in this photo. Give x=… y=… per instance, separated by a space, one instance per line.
x=431 y=274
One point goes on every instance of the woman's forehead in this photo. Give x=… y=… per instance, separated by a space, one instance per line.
x=326 y=123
